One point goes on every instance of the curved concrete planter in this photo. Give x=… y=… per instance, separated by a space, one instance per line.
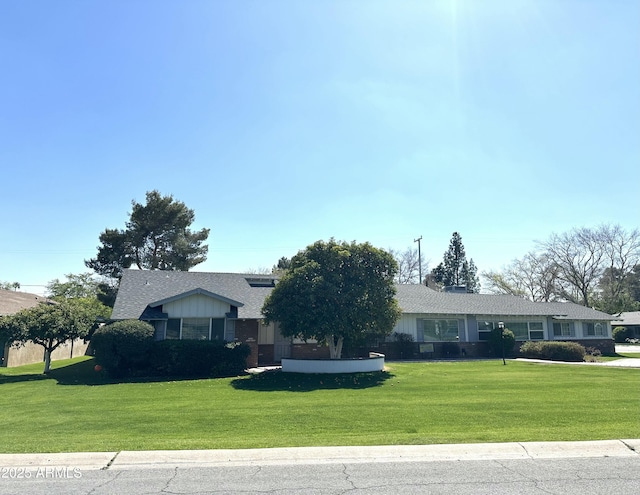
x=375 y=362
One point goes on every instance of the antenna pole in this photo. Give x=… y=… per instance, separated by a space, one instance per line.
x=419 y=259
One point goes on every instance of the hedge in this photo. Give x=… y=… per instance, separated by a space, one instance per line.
x=122 y=348
x=128 y=348
x=554 y=351
x=198 y=358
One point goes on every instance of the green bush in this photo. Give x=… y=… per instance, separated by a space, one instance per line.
x=123 y=347
x=197 y=358
x=621 y=334
x=498 y=339
x=403 y=345
x=555 y=351
x=450 y=349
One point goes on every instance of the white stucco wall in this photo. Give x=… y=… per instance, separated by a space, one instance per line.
x=333 y=365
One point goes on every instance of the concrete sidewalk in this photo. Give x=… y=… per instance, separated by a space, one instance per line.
x=322 y=455
x=616 y=363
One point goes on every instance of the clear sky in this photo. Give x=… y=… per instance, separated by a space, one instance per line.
x=284 y=122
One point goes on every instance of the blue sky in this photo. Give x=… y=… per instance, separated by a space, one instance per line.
x=284 y=122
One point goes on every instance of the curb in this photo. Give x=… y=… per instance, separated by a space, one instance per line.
x=127 y=460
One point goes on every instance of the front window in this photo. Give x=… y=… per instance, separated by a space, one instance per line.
x=563 y=329
x=484 y=329
x=198 y=329
x=536 y=330
x=217 y=329
x=195 y=328
x=594 y=329
x=439 y=330
x=522 y=330
x=173 y=329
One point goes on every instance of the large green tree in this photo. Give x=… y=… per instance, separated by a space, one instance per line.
x=84 y=290
x=75 y=286
x=336 y=293
x=156 y=237
x=51 y=324
x=455 y=270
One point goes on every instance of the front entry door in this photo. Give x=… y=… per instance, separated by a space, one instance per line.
x=282 y=345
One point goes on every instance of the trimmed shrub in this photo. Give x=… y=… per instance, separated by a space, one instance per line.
x=197 y=358
x=403 y=345
x=621 y=334
x=450 y=349
x=496 y=341
x=554 y=351
x=123 y=347
x=593 y=354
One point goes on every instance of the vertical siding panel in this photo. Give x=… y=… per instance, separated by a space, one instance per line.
x=197 y=306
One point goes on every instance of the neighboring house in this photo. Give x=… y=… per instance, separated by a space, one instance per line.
x=630 y=320
x=227 y=307
x=10 y=303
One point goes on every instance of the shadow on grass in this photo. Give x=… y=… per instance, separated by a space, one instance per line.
x=270 y=381
x=81 y=373
x=84 y=373
x=27 y=377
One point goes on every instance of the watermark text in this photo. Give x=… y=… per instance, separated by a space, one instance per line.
x=46 y=472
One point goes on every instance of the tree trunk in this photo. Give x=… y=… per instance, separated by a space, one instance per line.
x=47 y=361
x=335 y=348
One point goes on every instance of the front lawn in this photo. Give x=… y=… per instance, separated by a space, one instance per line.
x=77 y=409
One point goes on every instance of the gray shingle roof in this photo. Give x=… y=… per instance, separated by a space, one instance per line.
x=628 y=318
x=140 y=288
x=421 y=299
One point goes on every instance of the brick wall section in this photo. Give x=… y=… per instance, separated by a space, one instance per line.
x=247 y=333
x=265 y=354
x=441 y=350
x=392 y=351
x=309 y=351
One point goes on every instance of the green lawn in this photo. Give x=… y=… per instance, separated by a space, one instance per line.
x=76 y=409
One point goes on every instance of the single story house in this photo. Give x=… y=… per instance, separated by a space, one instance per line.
x=227 y=307
x=10 y=303
x=630 y=320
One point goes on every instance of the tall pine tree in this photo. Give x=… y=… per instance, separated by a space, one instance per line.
x=455 y=270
